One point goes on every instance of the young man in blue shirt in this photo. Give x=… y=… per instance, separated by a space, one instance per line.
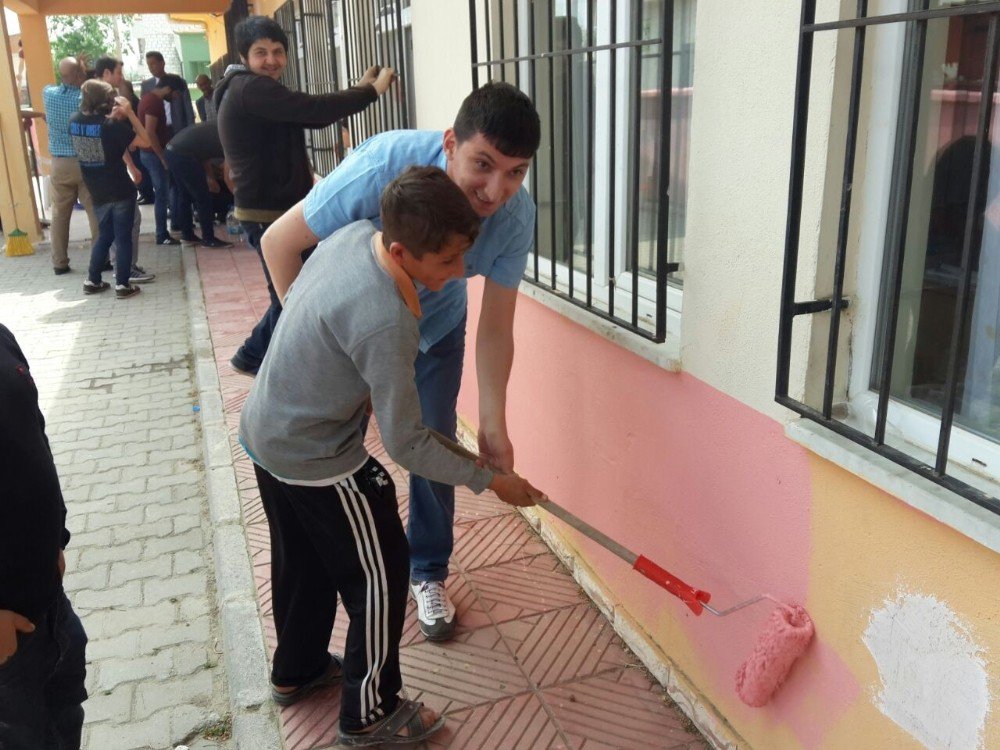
x=487 y=154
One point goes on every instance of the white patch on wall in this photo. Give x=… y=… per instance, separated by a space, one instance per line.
x=934 y=679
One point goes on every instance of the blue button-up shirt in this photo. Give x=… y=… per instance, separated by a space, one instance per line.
x=61 y=103
x=351 y=192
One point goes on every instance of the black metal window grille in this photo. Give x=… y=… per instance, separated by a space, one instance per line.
x=609 y=178
x=956 y=187
x=331 y=44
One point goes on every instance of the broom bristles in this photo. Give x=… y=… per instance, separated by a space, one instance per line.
x=18 y=244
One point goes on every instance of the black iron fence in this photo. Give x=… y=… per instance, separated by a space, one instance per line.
x=331 y=44
x=934 y=262
x=614 y=95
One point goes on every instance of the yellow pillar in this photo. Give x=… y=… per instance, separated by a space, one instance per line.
x=17 y=201
x=38 y=63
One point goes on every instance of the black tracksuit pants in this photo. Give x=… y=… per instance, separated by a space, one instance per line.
x=344 y=539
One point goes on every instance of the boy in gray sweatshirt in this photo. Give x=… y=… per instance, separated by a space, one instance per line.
x=348 y=333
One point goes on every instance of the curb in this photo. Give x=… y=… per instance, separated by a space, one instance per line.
x=255 y=721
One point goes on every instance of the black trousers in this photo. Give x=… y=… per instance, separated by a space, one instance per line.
x=343 y=539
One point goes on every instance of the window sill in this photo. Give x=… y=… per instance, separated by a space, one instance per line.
x=960 y=514
x=666 y=355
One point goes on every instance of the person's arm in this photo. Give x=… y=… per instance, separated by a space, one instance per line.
x=133 y=171
x=385 y=361
x=123 y=109
x=152 y=138
x=269 y=100
x=494 y=356
x=282 y=245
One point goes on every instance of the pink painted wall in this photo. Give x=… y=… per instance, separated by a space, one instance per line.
x=676 y=470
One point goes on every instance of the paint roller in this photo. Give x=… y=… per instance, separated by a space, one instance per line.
x=784 y=639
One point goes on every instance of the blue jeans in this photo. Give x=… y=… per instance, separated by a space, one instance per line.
x=42 y=684
x=178 y=199
x=432 y=504
x=189 y=173
x=114 y=222
x=249 y=356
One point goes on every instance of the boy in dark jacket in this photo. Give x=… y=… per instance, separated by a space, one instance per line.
x=42 y=643
x=262 y=127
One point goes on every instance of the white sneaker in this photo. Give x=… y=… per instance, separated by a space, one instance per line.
x=435 y=611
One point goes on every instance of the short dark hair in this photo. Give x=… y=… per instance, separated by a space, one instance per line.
x=105 y=63
x=174 y=81
x=504 y=115
x=254 y=28
x=422 y=208
x=154 y=54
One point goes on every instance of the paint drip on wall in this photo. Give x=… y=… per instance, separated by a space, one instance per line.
x=934 y=679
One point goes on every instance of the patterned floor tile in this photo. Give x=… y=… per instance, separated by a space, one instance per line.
x=495 y=540
x=619 y=709
x=518 y=723
x=474 y=669
x=566 y=644
x=525 y=587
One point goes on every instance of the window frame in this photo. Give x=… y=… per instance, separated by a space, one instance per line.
x=654 y=313
x=869 y=409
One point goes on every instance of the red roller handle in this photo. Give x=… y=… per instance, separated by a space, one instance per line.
x=692 y=597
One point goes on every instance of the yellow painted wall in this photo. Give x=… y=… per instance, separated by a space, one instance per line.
x=215 y=30
x=868 y=546
x=38 y=66
x=17 y=204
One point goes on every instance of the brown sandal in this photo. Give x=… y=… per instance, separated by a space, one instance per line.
x=386 y=732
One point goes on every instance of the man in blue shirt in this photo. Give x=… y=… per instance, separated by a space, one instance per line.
x=62 y=102
x=487 y=153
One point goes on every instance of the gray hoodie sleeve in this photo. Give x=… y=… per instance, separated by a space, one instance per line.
x=385 y=360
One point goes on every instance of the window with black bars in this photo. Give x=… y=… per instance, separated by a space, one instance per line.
x=331 y=44
x=918 y=143
x=612 y=82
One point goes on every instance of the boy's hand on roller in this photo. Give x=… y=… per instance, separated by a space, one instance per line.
x=516 y=491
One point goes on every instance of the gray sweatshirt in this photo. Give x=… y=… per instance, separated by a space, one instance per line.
x=344 y=333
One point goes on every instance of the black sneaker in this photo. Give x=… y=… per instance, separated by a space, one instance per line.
x=61 y=271
x=191 y=239
x=121 y=292
x=107 y=266
x=168 y=240
x=242 y=367
x=215 y=242
x=90 y=287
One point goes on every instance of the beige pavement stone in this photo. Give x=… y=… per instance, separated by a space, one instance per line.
x=116 y=385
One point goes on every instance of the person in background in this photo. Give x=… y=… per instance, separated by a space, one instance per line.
x=190 y=157
x=102 y=131
x=180 y=113
x=43 y=662
x=61 y=102
x=109 y=70
x=152 y=114
x=206 y=106
x=262 y=126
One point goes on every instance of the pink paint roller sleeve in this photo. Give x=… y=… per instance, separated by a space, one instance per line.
x=784 y=640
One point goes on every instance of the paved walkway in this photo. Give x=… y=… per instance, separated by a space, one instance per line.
x=117 y=390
